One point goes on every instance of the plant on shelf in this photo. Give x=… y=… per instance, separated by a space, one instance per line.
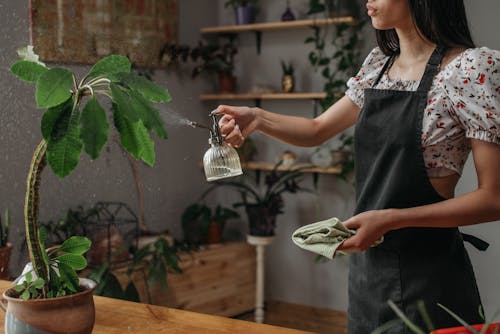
x=207 y=57
x=287 y=79
x=264 y=204
x=5 y=246
x=74 y=120
x=244 y=10
x=203 y=224
x=488 y=327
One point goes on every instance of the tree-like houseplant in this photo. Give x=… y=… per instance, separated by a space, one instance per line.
x=244 y=10
x=42 y=299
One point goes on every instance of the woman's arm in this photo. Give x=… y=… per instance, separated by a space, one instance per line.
x=239 y=122
x=481 y=205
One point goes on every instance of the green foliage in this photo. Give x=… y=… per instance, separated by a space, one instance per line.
x=287 y=68
x=67 y=128
x=206 y=57
x=158 y=258
x=430 y=327
x=197 y=217
x=30 y=289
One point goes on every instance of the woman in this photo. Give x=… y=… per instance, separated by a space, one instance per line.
x=421 y=101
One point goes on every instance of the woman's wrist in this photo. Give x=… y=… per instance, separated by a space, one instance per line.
x=258 y=117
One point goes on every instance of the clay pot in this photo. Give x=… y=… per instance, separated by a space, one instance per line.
x=72 y=314
x=227 y=83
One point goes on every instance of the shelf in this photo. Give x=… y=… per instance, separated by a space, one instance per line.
x=265 y=166
x=273 y=96
x=277 y=25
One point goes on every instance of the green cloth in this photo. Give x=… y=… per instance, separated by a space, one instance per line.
x=324 y=237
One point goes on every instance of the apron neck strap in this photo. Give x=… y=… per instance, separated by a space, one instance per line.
x=387 y=64
x=431 y=68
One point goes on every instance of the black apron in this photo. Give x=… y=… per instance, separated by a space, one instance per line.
x=412 y=264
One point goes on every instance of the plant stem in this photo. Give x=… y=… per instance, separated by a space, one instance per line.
x=32 y=210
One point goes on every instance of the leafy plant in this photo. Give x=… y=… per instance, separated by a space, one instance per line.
x=157 y=258
x=495 y=328
x=239 y=3
x=207 y=57
x=4 y=229
x=268 y=197
x=288 y=68
x=197 y=217
x=68 y=128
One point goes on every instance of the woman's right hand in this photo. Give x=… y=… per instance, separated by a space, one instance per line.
x=236 y=123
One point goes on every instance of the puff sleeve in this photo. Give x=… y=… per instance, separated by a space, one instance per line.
x=473 y=91
x=366 y=76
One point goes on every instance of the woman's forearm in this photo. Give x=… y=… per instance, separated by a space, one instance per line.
x=482 y=205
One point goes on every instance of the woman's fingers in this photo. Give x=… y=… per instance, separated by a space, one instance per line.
x=235 y=138
x=227 y=126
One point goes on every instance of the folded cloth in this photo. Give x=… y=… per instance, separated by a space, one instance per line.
x=324 y=237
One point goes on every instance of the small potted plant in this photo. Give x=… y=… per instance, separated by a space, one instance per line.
x=50 y=285
x=5 y=246
x=208 y=58
x=264 y=204
x=287 y=79
x=203 y=224
x=244 y=10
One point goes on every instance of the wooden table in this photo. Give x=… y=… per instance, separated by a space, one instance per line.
x=119 y=316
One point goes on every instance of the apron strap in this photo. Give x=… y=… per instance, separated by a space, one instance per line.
x=431 y=68
x=479 y=244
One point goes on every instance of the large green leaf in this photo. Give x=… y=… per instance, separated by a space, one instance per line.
x=28 y=70
x=52 y=115
x=134 y=137
x=150 y=116
x=76 y=245
x=134 y=106
x=94 y=128
x=65 y=146
x=75 y=261
x=53 y=87
x=145 y=87
x=109 y=66
x=68 y=275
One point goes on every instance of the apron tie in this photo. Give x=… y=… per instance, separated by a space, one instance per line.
x=479 y=244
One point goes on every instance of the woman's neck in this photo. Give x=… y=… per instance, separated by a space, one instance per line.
x=413 y=47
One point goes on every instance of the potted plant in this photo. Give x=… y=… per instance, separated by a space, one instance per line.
x=287 y=79
x=50 y=297
x=244 y=10
x=211 y=58
x=5 y=246
x=203 y=224
x=264 y=204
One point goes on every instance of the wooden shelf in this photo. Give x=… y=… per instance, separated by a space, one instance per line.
x=276 y=25
x=274 y=96
x=266 y=166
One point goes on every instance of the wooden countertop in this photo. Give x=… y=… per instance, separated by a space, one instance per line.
x=119 y=316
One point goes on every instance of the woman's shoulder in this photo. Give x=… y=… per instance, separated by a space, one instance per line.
x=473 y=61
x=375 y=59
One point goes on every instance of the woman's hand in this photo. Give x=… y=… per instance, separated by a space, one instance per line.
x=237 y=123
x=370 y=226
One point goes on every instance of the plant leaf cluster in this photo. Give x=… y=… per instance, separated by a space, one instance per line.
x=207 y=57
x=240 y=3
x=68 y=128
x=64 y=261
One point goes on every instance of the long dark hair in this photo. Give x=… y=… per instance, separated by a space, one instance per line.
x=442 y=22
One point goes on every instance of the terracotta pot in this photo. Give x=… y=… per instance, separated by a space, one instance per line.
x=73 y=314
x=4 y=261
x=214 y=233
x=227 y=83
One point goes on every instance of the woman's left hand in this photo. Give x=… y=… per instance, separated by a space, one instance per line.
x=370 y=226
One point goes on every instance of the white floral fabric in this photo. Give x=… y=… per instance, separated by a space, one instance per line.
x=463 y=103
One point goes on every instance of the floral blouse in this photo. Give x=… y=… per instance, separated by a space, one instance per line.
x=463 y=103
